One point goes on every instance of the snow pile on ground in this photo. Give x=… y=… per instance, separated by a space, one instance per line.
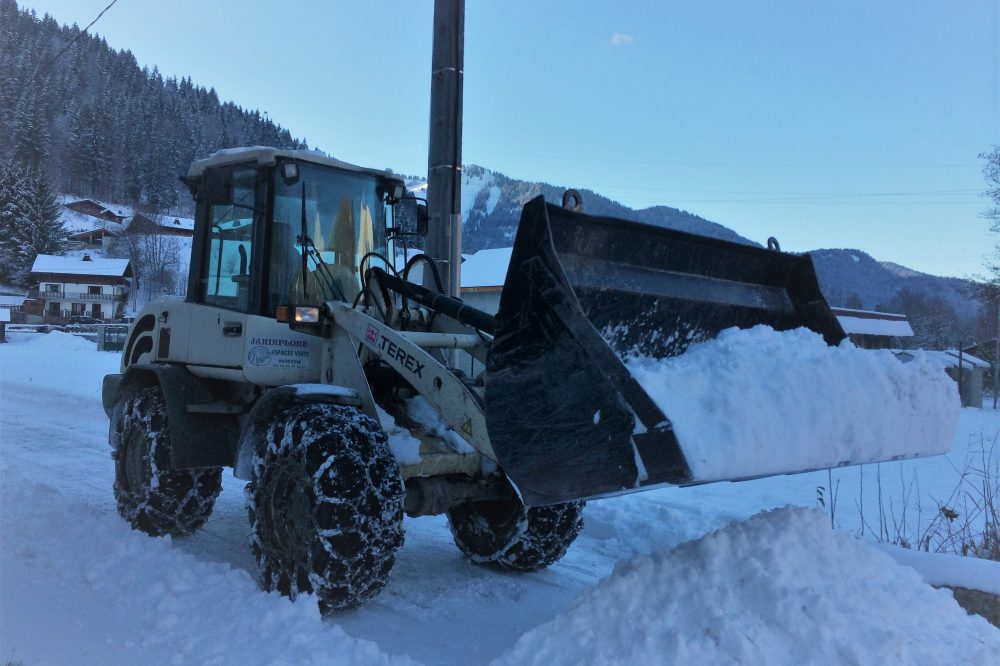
x=756 y=401
x=781 y=588
x=57 y=360
x=192 y=611
x=77 y=586
x=949 y=568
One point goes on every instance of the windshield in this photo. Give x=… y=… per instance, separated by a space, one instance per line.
x=344 y=219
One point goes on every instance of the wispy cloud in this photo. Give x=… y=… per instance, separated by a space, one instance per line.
x=621 y=39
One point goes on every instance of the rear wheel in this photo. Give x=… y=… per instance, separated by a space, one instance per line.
x=150 y=496
x=507 y=535
x=325 y=503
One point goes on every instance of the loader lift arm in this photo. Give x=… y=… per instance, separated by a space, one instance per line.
x=404 y=352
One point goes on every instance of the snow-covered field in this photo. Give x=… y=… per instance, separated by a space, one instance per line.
x=650 y=580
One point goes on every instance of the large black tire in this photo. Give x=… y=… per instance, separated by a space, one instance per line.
x=504 y=534
x=150 y=496
x=325 y=503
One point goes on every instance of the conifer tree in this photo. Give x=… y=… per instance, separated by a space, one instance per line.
x=12 y=197
x=29 y=221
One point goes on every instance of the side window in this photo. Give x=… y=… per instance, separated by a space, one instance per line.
x=226 y=281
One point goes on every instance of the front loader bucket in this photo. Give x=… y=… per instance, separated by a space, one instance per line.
x=565 y=417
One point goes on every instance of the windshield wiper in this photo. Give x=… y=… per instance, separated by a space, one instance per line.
x=310 y=251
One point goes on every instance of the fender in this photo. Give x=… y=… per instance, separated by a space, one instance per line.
x=197 y=439
x=275 y=401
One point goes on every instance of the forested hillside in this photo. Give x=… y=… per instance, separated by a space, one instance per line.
x=99 y=125
x=80 y=118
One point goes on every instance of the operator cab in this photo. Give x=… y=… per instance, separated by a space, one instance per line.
x=279 y=227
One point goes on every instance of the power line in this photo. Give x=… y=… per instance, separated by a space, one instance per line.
x=583 y=158
x=665 y=190
x=71 y=42
x=761 y=195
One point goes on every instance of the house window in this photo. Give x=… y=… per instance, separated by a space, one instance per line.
x=95 y=311
x=54 y=309
x=94 y=290
x=52 y=288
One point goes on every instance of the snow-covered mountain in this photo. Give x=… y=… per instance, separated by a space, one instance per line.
x=491 y=209
x=855 y=279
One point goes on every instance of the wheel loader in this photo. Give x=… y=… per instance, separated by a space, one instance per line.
x=301 y=336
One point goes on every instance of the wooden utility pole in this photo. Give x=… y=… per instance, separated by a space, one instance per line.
x=444 y=162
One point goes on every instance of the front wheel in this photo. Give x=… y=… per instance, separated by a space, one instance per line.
x=150 y=496
x=325 y=503
x=507 y=535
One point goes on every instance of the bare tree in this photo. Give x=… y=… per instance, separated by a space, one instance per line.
x=155 y=260
x=160 y=256
x=991 y=172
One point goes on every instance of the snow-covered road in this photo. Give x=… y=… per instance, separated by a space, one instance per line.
x=77 y=586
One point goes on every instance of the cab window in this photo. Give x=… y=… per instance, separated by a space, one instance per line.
x=226 y=260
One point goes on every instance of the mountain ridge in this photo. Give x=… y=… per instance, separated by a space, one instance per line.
x=106 y=128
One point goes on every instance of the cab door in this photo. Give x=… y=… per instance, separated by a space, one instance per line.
x=226 y=264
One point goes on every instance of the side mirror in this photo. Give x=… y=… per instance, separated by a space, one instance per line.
x=209 y=185
x=217 y=187
x=409 y=217
x=422 y=219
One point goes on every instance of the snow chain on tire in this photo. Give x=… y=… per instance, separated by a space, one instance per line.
x=150 y=496
x=505 y=534
x=325 y=505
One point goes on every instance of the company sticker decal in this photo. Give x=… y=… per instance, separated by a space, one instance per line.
x=371 y=335
x=278 y=353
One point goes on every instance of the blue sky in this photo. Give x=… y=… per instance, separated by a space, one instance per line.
x=825 y=124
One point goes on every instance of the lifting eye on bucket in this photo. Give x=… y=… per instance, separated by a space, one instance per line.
x=572 y=201
x=772 y=244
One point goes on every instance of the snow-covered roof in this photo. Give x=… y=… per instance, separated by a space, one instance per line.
x=946 y=359
x=866 y=322
x=11 y=300
x=967 y=359
x=48 y=263
x=162 y=221
x=171 y=222
x=113 y=208
x=110 y=228
x=486 y=268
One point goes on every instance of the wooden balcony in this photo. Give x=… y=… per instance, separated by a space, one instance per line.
x=75 y=296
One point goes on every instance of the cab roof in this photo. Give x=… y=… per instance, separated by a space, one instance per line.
x=268 y=156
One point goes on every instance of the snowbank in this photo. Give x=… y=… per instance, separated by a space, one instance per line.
x=756 y=401
x=77 y=586
x=60 y=361
x=948 y=568
x=781 y=588
x=192 y=611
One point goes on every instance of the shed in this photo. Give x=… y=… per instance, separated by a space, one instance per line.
x=167 y=225
x=94 y=209
x=965 y=369
x=873 y=330
x=95 y=238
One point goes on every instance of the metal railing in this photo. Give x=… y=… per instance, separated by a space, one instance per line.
x=75 y=295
